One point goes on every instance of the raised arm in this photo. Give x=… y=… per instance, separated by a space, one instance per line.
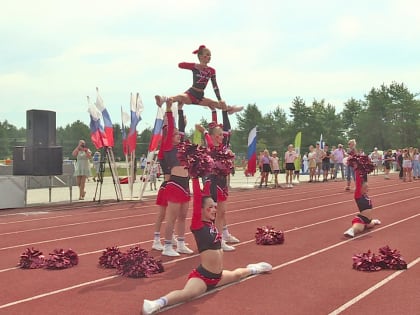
x=196 y=222
x=359 y=182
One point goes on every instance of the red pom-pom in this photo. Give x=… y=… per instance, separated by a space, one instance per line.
x=362 y=163
x=60 y=259
x=32 y=259
x=367 y=262
x=109 y=258
x=223 y=160
x=267 y=235
x=391 y=259
x=195 y=158
x=136 y=263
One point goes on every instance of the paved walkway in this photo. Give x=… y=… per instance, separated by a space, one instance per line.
x=108 y=192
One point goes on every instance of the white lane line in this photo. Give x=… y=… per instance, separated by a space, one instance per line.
x=373 y=288
x=36 y=297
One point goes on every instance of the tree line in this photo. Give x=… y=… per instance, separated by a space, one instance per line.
x=387 y=117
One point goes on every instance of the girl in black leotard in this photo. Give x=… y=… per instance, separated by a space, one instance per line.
x=202 y=73
x=209 y=273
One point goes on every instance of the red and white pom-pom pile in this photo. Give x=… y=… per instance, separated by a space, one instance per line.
x=61 y=259
x=386 y=259
x=366 y=262
x=136 y=263
x=392 y=259
x=32 y=259
x=267 y=235
x=109 y=257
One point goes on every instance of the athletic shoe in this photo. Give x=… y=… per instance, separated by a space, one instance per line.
x=157 y=245
x=150 y=307
x=349 y=232
x=184 y=249
x=160 y=100
x=226 y=247
x=376 y=221
x=230 y=239
x=169 y=251
x=347 y=188
x=234 y=109
x=260 y=267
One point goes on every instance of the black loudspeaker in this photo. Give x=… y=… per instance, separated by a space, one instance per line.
x=38 y=161
x=40 y=128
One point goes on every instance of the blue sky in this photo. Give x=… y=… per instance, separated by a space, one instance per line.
x=54 y=53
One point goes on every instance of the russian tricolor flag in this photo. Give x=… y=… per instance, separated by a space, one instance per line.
x=97 y=133
x=157 y=130
x=108 y=127
x=136 y=108
x=252 y=152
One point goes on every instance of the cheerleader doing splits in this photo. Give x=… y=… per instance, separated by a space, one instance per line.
x=202 y=73
x=209 y=274
x=364 y=219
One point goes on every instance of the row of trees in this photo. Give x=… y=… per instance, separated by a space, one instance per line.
x=388 y=117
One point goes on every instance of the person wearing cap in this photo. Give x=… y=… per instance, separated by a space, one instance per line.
x=275 y=168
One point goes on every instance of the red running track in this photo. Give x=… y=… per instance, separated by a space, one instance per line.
x=312 y=270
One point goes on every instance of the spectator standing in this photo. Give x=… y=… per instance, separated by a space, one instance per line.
x=388 y=159
x=416 y=164
x=275 y=168
x=82 y=168
x=338 y=160
x=289 y=164
x=312 y=163
x=265 y=168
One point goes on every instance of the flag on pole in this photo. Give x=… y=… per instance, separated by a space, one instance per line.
x=124 y=119
x=252 y=152
x=321 y=142
x=298 y=139
x=157 y=130
x=136 y=108
x=108 y=127
x=197 y=137
x=97 y=133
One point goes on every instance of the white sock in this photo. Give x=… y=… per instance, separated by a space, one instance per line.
x=163 y=301
x=156 y=236
x=225 y=232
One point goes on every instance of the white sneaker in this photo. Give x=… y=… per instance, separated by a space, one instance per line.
x=376 y=221
x=231 y=239
x=349 y=232
x=260 y=267
x=169 y=251
x=160 y=100
x=157 y=245
x=150 y=307
x=226 y=247
x=183 y=249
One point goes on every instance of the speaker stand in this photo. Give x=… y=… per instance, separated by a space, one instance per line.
x=109 y=155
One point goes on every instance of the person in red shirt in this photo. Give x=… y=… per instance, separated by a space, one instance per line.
x=202 y=74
